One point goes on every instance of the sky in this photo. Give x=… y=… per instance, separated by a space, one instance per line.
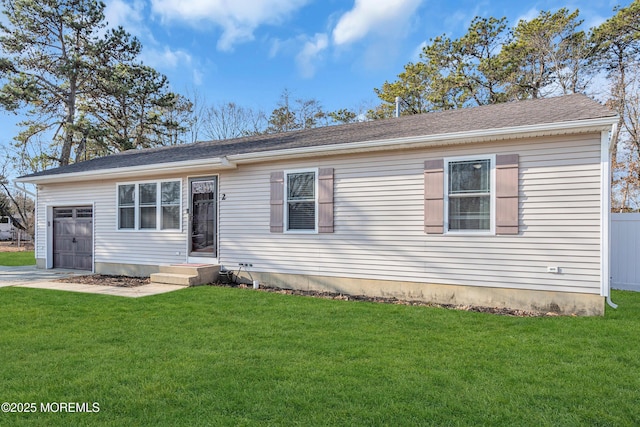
x=334 y=51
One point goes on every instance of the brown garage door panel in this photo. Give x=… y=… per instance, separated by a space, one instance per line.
x=73 y=238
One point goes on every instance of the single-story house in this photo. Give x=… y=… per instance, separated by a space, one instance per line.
x=503 y=205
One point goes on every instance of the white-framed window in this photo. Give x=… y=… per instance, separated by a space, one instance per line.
x=170 y=203
x=470 y=194
x=149 y=205
x=127 y=206
x=301 y=204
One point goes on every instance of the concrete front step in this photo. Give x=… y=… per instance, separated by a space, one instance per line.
x=174 y=279
x=186 y=274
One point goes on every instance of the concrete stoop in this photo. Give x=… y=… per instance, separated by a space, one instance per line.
x=186 y=274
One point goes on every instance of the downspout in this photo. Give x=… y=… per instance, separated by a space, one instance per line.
x=611 y=303
x=607 y=172
x=24 y=190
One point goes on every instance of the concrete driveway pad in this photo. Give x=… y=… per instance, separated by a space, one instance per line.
x=10 y=276
x=31 y=277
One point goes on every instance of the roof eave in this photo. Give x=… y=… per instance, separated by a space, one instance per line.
x=142 y=171
x=231 y=161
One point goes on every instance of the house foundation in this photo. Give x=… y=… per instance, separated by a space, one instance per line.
x=565 y=303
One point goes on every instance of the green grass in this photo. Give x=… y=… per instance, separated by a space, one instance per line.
x=17 y=258
x=224 y=356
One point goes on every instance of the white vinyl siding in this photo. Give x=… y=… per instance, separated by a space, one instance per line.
x=378 y=221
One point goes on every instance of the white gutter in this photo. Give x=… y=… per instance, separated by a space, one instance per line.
x=231 y=161
x=139 y=171
x=23 y=189
x=605 y=214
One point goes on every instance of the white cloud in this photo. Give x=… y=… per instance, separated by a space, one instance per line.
x=197 y=76
x=594 y=21
x=308 y=58
x=276 y=46
x=132 y=16
x=238 y=19
x=165 y=58
x=175 y=62
x=127 y=14
x=373 y=16
x=527 y=16
x=458 y=19
x=415 y=56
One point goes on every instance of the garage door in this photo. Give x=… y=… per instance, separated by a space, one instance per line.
x=73 y=238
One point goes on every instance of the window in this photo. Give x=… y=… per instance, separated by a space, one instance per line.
x=148 y=197
x=149 y=206
x=469 y=194
x=62 y=213
x=84 y=213
x=306 y=204
x=301 y=201
x=126 y=206
x=170 y=194
x=478 y=194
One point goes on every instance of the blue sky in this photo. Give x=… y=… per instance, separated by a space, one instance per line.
x=336 y=51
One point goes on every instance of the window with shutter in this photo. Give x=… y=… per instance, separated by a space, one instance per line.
x=473 y=194
x=302 y=201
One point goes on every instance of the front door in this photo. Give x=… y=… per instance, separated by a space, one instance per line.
x=203 y=218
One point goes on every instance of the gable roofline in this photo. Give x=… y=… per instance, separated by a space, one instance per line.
x=231 y=161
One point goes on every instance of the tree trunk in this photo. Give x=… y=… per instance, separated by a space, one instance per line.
x=70 y=118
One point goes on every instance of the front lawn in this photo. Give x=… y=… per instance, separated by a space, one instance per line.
x=225 y=356
x=14 y=259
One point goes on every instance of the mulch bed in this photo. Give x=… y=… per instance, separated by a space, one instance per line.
x=106 y=280
x=393 y=300
x=130 y=282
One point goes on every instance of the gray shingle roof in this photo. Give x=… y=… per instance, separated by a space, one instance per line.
x=513 y=114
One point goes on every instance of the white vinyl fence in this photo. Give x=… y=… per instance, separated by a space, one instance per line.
x=625 y=251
